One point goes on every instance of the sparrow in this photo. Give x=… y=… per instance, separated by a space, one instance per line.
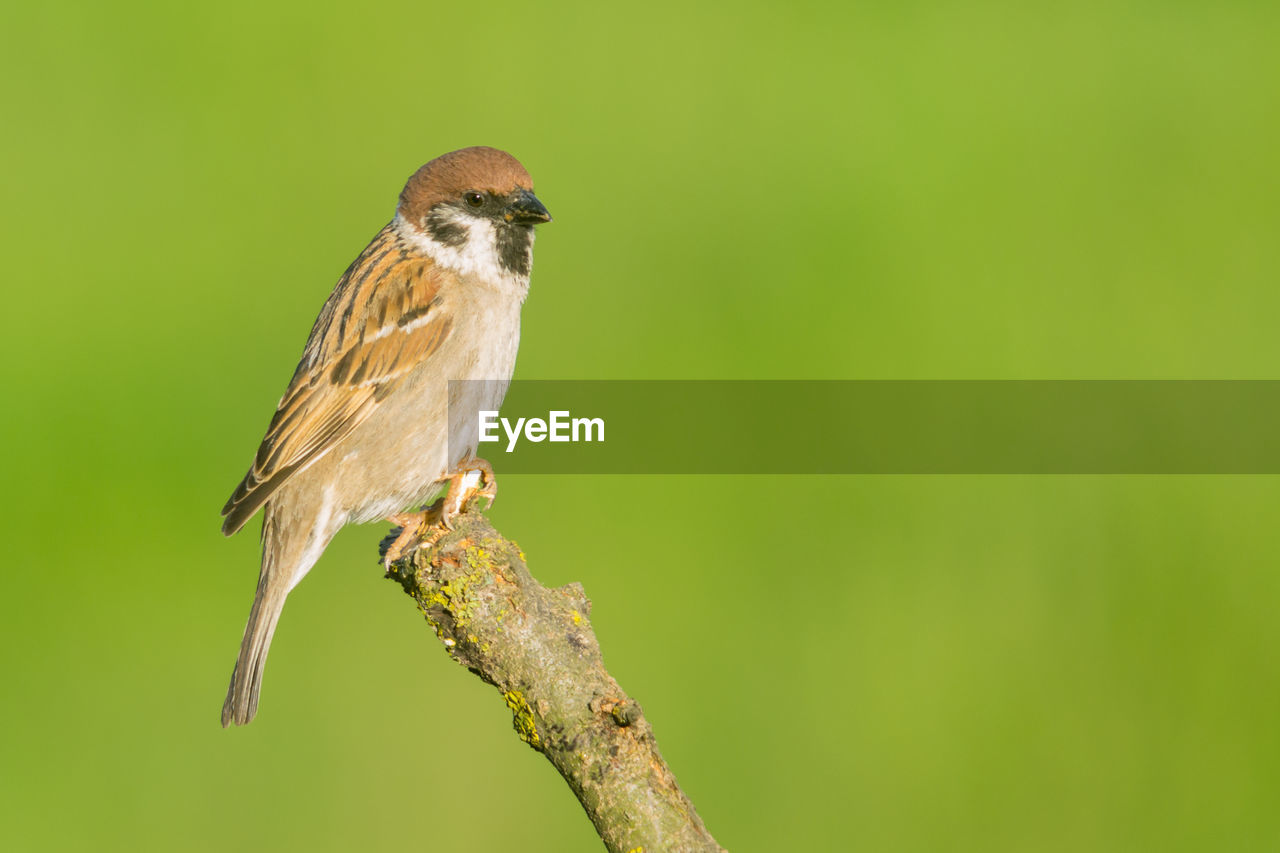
x=362 y=431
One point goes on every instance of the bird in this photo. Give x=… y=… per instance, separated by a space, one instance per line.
x=362 y=431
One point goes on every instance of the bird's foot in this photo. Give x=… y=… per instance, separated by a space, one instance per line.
x=416 y=529
x=473 y=479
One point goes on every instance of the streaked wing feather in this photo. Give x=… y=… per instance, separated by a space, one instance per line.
x=382 y=320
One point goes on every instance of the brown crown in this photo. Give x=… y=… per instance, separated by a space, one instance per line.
x=448 y=176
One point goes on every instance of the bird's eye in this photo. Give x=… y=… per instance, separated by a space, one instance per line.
x=474 y=199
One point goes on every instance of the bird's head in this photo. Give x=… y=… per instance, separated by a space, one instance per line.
x=473 y=211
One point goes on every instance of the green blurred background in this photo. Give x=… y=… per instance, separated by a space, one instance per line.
x=890 y=190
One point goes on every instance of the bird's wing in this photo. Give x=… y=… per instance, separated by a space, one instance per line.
x=383 y=319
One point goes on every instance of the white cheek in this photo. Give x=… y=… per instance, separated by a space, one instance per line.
x=477 y=257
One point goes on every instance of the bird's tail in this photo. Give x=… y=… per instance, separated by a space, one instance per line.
x=246 y=679
x=286 y=558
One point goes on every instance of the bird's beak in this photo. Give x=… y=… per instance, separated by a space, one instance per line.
x=525 y=209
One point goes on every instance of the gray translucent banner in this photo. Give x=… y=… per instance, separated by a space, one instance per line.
x=874 y=427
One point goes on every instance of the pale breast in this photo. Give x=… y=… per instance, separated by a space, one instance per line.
x=400 y=455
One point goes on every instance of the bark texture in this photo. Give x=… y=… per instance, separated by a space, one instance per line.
x=536 y=646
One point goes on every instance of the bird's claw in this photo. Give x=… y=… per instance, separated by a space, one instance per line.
x=416 y=530
x=473 y=479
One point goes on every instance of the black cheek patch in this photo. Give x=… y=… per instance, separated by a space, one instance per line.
x=445 y=231
x=514 y=243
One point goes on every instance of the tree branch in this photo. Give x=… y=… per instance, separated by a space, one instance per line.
x=537 y=647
